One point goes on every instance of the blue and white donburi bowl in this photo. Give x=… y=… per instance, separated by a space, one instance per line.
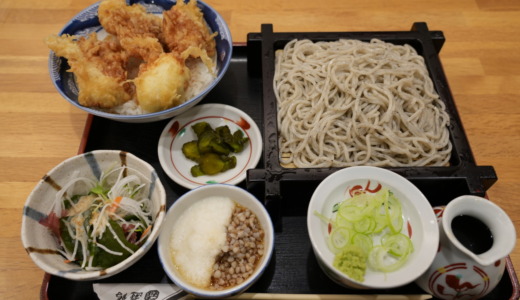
x=86 y=22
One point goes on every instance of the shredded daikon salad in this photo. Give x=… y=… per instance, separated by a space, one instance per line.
x=103 y=222
x=366 y=230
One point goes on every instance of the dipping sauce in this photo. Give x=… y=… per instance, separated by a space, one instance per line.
x=472 y=233
x=216 y=243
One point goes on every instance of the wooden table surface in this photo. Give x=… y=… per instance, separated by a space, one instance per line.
x=39 y=129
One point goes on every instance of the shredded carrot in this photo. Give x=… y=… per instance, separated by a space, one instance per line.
x=146 y=231
x=67 y=261
x=115 y=205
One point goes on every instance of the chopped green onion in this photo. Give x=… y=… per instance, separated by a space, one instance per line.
x=363 y=241
x=340 y=237
x=398 y=245
x=366 y=225
x=380 y=259
x=371 y=223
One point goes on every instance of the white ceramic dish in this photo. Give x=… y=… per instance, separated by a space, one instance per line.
x=87 y=22
x=41 y=244
x=241 y=197
x=178 y=131
x=420 y=224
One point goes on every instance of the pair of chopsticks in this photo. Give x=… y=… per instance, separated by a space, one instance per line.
x=266 y=296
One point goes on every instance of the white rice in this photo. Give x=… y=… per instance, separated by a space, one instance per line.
x=128 y=108
x=201 y=77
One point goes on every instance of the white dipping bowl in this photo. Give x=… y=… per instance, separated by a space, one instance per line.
x=241 y=197
x=419 y=223
x=41 y=244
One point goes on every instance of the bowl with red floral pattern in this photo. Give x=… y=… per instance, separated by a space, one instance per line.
x=371 y=228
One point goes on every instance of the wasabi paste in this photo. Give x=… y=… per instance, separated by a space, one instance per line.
x=352 y=261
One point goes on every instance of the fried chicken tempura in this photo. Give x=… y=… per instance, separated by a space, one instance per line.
x=184 y=28
x=162 y=78
x=128 y=21
x=148 y=49
x=161 y=83
x=99 y=67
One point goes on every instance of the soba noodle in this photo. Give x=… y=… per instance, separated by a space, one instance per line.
x=348 y=103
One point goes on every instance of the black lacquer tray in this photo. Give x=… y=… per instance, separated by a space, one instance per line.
x=293 y=268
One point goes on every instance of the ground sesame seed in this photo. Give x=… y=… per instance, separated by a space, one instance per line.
x=243 y=250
